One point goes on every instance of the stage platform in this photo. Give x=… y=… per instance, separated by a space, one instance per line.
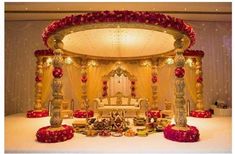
x=215 y=136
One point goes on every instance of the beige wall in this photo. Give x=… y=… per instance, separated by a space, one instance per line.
x=23 y=37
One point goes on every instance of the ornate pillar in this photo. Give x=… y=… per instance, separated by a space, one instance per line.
x=84 y=85
x=180 y=131
x=56 y=132
x=57 y=85
x=154 y=112
x=38 y=110
x=84 y=112
x=180 y=113
x=199 y=112
x=154 y=87
x=38 y=84
x=199 y=84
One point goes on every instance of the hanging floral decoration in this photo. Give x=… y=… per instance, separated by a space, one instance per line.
x=37 y=114
x=105 y=88
x=201 y=114
x=57 y=72
x=47 y=135
x=83 y=114
x=133 y=94
x=190 y=135
x=199 y=79
x=45 y=52
x=194 y=53
x=150 y=18
x=179 y=72
x=154 y=78
x=84 y=78
x=38 y=78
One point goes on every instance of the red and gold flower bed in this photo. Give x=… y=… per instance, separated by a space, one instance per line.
x=201 y=114
x=37 y=113
x=153 y=113
x=190 y=135
x=83 y=114
x=52 y=135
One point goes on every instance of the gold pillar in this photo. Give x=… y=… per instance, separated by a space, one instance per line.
x=57 y=85
x=199 y=84
x=180 y=113
x=38 y=84
x=84 y=85
x=154 y=87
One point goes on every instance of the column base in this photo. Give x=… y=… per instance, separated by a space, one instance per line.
x=153 y=113
x=201 y=114
x=37 y=113
x=191 y=134
x=52 y=135
x=83 y=114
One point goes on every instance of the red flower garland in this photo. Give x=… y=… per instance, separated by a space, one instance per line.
x=150 y=18
x=45 y=52
x=201 y=114
x=153 y=113
x=83 y=114
x=191 y=135
x=105 y=89
x=37 y=114
x=49 y=136
x=196 y=53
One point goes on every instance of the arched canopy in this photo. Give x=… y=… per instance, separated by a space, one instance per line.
x=119 y=34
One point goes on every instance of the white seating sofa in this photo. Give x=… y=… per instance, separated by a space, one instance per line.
x=132 y=106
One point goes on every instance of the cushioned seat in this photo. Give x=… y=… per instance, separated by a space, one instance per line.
x=132 y=106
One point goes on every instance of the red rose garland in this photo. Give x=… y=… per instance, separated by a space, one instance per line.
x=199 y=79
x=37 y=114
x=83 y=114
x=133 y=89
x=201 y=114
x=105 y=89
x=150 y=18
x=51 y=136
x=196 y=53
x=45 y=52
x=191 y=135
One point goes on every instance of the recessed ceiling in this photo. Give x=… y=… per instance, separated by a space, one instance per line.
x=206 y=11
x=119 y=42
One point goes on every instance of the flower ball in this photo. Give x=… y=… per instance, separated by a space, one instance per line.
x=154 y=79
x=57 y=72
x=38 y=79
x=199 y=79
x=179 y=72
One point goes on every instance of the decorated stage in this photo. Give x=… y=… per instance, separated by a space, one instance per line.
x=215 y=136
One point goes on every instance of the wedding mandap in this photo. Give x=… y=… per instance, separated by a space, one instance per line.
x=120 y=65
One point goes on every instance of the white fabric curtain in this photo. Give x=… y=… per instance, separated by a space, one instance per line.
x=119 y=84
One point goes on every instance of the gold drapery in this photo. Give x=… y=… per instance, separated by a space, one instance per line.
x=46 y=84
x=72 y=82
